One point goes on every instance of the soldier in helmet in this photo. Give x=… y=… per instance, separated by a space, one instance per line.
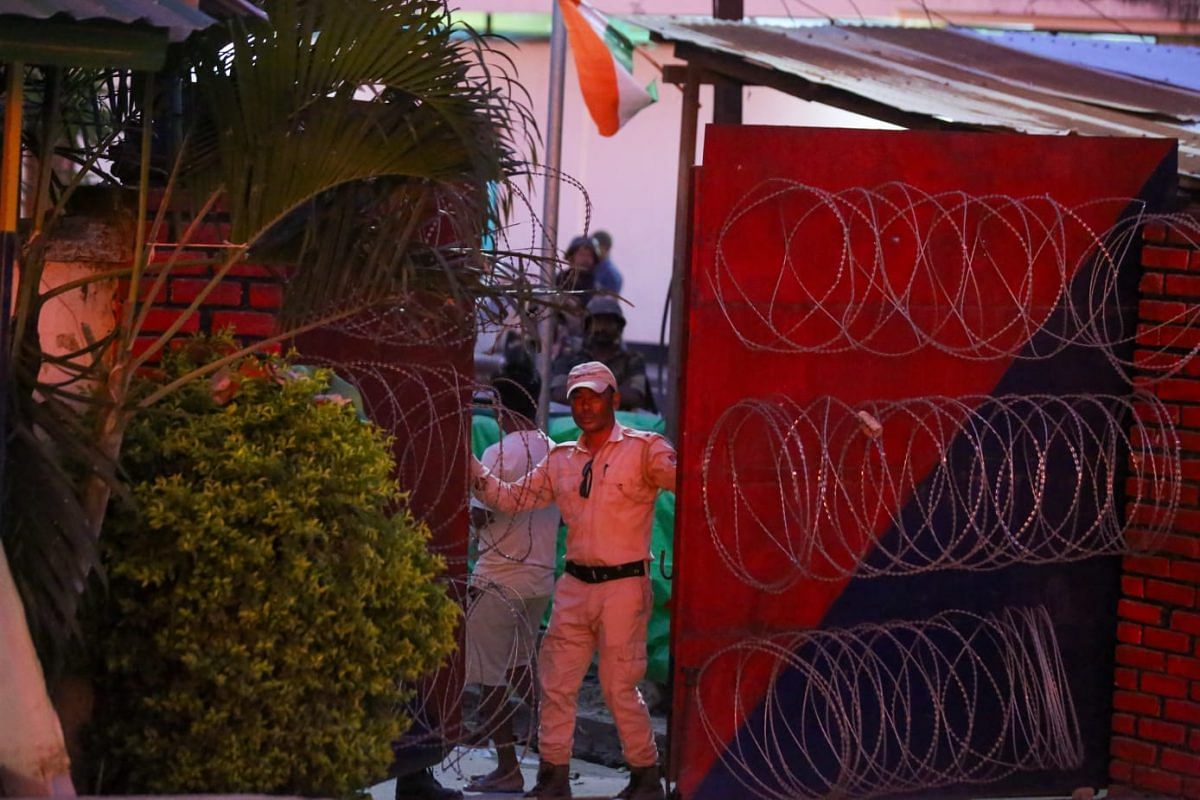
x=603 y=326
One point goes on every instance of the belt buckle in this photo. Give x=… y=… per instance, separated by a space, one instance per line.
x=594 y=574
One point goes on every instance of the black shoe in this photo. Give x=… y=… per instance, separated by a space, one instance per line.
x=553 y=781
x=645 y=783
x=423 y=786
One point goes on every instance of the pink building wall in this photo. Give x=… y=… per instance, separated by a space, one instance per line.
x=631 y=177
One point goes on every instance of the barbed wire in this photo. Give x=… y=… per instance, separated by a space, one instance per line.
x=910 y=270
x=802 y=492
x=797 y=492
x=886 y=708
x=444 y=709
x=428 y=410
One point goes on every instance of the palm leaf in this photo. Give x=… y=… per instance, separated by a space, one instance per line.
x=307 y=162
x=366 y=197
x=48 y=544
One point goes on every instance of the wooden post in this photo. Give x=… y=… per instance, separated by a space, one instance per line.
x=727 y=94
x=688 y=124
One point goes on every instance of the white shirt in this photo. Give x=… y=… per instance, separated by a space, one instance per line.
x=518 y=550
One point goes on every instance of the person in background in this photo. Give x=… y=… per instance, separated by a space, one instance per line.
x=605 y=484
x=414 y=759
x=510 y=585
x=579 y=275
x=603 y=326
x=518 y=365
x=608 y=277
x=577 y=283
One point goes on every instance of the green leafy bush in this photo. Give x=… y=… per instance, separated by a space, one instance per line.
x=265 y=595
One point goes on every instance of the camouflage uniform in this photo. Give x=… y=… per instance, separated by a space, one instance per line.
x=628 y=368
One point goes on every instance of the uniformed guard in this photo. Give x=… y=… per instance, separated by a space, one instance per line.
x=605 y=484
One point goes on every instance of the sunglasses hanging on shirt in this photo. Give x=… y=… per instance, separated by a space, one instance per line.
x=585 y=485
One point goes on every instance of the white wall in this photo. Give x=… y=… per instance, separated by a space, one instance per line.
x=631 y=177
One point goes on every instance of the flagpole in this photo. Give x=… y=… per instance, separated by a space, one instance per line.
x=550 y=195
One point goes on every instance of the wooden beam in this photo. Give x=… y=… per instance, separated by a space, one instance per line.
x=675 y=74
x=81 y=44
x=727 y=94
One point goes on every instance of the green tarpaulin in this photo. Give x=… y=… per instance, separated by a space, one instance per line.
x=485 y=432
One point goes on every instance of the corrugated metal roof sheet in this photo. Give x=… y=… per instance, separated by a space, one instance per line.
x=947 y=76
x=231 y=8
x=1172 y=64
x=175 y=15
x=991 y=61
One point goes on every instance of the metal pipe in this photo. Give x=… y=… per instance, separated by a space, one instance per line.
x=550 y=195
x=10 y=200
x=10 y=162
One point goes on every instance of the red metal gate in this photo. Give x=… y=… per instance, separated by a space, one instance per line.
x=859 y=301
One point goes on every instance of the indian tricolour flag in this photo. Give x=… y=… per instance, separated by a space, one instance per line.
x=604 y=61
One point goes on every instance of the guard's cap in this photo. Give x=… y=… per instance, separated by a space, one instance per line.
x=605 y=305
x=591 y=374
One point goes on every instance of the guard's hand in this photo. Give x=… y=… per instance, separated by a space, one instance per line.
x=477 y=469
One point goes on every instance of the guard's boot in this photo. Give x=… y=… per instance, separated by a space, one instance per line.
x=553 y=781
x=645 y=783
x=423 y=785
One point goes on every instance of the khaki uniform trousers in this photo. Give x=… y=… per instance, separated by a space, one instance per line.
x=611 y=617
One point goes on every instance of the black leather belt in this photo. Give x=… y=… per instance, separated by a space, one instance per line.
x=601 y=574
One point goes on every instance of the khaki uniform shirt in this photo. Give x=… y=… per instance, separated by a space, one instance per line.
x=612 y=525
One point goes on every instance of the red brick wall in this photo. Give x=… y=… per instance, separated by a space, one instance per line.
x=246 y=300
x=1156 y=701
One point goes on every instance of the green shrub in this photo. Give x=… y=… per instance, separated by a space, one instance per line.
x=265 y=597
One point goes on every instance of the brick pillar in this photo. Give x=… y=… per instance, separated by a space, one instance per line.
x=246 y=300
x=1156 y=719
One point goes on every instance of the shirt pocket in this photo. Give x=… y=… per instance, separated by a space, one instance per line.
x=635 y=490
x=633 y=657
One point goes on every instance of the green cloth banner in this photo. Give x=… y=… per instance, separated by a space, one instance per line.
x=485 y=432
